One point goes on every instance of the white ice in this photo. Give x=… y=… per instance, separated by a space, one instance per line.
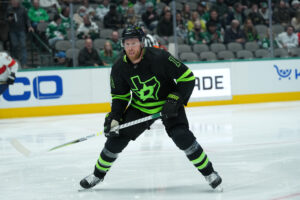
x=254 y=147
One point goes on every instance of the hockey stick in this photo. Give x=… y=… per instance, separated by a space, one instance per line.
x=3 y=82
x=26 y=152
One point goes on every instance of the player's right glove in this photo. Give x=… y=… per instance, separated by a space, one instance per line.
x=11 y=78
x=109 y=124
x=172 y=105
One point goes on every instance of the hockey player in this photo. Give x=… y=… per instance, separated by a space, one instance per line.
x=145 y=76
x=8 y=69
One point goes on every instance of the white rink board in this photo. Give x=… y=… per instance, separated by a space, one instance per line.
x=79 y=86
x=88 y=86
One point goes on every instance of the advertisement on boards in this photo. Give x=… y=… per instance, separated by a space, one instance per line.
x=57 y=87
x=212 y=83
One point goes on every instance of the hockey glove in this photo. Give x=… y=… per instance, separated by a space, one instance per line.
x=11 y=78
x=109 y=124
x=173 y=103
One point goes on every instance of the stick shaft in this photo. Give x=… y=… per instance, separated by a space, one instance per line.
x=128 y=124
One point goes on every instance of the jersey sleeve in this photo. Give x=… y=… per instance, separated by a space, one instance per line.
x=183 y=76
x=120 y=93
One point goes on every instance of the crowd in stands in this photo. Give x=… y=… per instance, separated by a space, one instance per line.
x=198 y=22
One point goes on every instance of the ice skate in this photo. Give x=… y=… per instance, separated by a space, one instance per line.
x=90 y=181
x=214 y=180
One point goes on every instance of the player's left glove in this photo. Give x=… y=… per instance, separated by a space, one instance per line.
x=173 y=103
x=11 y=78
x=109 y=124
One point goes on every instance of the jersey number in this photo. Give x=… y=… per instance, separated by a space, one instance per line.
x=175 y=61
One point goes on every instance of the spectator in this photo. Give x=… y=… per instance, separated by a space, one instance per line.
x=212 y=35
x=255 y=16
x=234 y=34
x=165 y=26
x=37 y=14
x=112 y=19
x=250 y=32
x=92 y=13
x=214 y=17
x=123 y=7
x=237 y=14
x=78 y=16
x=287 y=39
x=60 y=59
x=108 y=55
x=88 y=56
x=186 y=12
x=266 y=44
x=202 y=11
x=88 y=29
x=282 y=14
x=102 y=9
x=181 y=29
x=55 y=31
x=296 y=22
x=295 y=6
x=164 y=10
x=130 y=17
x=3 y=24
x=221 y=8
x=196 y=35
x=86 y=4
x=195 y=18
x=140 y=7
x=264 y=12
x=150 y=17
x=26 y=4
x=18 y=24
x=65 y=18
x=115 y=41
x=50 y=3
x=51 y=6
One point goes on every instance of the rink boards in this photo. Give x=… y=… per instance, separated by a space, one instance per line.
x=55 y=91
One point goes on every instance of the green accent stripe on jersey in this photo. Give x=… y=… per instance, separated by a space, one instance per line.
x=203 y=165
x=149 y=104
x=125 y=58
x=146 y=110
x=105 y=163
x=199 y=159
x=184 y=77
x=121 y=96
x=101 y=168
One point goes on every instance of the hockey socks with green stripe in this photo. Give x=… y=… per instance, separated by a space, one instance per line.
x=104 y=163
x=199 y=159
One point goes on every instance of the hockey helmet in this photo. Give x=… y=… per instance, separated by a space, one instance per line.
x=133 y=32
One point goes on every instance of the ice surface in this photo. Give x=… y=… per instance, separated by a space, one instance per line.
x=254 y=147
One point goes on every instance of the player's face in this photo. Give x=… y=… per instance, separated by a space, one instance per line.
x=133 y=48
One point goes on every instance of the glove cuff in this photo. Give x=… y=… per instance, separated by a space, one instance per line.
x=175 y=96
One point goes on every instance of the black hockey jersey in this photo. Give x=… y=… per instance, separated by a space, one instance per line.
x=147 y=84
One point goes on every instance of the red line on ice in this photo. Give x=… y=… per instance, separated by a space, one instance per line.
x=287 y=197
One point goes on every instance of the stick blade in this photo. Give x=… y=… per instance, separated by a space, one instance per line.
x=20 y=148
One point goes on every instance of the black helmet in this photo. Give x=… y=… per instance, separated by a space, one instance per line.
x=133 y=32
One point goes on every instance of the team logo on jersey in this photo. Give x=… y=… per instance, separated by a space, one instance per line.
x=147 y=89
